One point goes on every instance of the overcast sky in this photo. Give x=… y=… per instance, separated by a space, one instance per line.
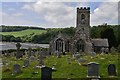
x=56 y=14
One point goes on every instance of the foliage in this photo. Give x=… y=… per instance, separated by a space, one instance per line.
x=4 y=28
x=24 y=32
x=109 y=34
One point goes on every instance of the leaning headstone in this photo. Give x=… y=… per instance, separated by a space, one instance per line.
x=111 y=70
x=26 y=63
x=18 y=55
x=46 y=73
x=16 y=68
x=93 y=70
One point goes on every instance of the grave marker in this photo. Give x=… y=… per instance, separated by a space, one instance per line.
x=46 y=73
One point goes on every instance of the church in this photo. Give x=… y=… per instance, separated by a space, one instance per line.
x=81 y=41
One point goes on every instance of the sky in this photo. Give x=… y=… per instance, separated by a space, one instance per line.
x=56 y=14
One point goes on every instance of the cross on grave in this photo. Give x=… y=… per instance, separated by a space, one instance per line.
x=18 y=55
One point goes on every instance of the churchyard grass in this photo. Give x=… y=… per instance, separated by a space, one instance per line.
x=63 y=69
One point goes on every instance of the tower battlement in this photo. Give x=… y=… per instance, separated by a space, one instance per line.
x=83 y=8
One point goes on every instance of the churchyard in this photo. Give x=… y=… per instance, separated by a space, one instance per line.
x=63 y=66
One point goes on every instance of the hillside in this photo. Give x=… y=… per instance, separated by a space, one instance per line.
x=23 y=32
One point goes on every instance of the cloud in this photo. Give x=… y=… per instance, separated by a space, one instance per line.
x=55 y=14
x=107 y=12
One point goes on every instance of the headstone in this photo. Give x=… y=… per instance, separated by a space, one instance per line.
x=29 y=51
x=46 y=73
x=93 y=54
x=81 y=60
x=111 y=70
x=16 y=68
x=69 y=60
x=77 y=56
x=93 y=70
x=32 y=58
x=40 y=60
x=18 y=55
x=112 y=50
x=26 y=63
x=53 y=68
x=59 y=54
x=106 y=50
x=102 y=50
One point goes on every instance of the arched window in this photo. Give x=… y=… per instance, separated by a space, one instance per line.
x=59 y=45
x=82 y=16
x=80 y=46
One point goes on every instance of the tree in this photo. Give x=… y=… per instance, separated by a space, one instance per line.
x=109 y=34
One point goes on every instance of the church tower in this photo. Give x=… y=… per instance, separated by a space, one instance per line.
x=83 y=22
x=82 y=42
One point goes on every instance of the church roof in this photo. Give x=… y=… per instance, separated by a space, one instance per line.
x=100 y=42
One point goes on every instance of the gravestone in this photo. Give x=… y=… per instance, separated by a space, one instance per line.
x=77 y=56
x=111 y=70
x=93 y=54
x=102 y=50
x=69 y=60
x=32 y=58
x=46 y=73
x=26 y=63
x=53 y=68
x=93 y=70
x=29 y=51
x=40 y=60
x=113 y=50
x=18 y=55
x=16 y=68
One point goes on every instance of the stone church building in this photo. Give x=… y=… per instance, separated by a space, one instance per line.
x=81 y=41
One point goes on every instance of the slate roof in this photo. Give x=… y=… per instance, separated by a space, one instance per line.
x=100 y=42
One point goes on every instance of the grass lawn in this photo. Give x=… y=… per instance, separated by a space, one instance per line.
x=64 y=70
x=23 y=32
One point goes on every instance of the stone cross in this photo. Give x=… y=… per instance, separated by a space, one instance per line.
x=29 y=51
x=46 y=73
x=18 y=55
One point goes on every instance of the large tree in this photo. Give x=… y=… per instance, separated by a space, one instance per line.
x=109 y=34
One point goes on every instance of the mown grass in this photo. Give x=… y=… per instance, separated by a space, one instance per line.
x=23 y=32
x=64 y=70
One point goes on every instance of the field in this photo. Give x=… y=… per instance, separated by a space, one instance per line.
x=23 y=32
x=63 y=69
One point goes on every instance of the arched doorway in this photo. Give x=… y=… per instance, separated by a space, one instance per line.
x=59 y=45
x=80 y=46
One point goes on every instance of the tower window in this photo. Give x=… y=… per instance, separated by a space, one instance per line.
x=82 y=16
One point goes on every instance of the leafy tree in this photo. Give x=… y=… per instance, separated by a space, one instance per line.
x=109 y=34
